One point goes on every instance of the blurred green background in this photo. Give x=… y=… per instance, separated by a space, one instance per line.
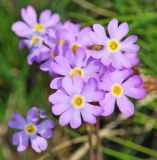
x=23 y=86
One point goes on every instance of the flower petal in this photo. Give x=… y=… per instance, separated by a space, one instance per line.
x=38 y=143
x=99 y=29
x=122 y=31
x=91 y=93
x=58 y=109
x=21 y=140
x=45 y=128
x=56 y=83
x=120 y=61
x=125 y=106
x=33 y=115
x=88 y=116
x=92 y=109
x=59 y=97
x=112 y=27
x=18 y=121
x=45 y=16
x=132 y=87
x=61 y=66
x=75 y=121
x=108 y=104
x=53 y=20
x=21 y=29
x=29 y=15
x=66 y=117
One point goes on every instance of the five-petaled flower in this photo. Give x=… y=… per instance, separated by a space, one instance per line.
x=74 y=100
x=31 y=131
x=118 y=86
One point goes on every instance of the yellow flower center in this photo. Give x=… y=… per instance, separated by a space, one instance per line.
x=30 y=129
x=113 y=45
x=39 y=27
x=75 y=47
x=61 y=42
x=35 y=39
x=75 y=71
x=78 y=101
x=117 y=90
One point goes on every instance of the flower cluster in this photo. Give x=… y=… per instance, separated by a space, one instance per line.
x=91 y=68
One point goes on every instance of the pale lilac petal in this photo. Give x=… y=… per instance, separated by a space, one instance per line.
x=78 y=83
x=68 y=85
x=107 y=57
x=72 y=85
x=120 y=61
x=56 y=83
x=59 y=97
x=131 y=39
x=58 y=109
x=120 y=76
x=38 y=143
x=45 y=128
x=128 y=47
x=91 y=92
x=53 y=20
x=21 y=140
x=66 y=117
x=92 y=67
x=18 y=121
x=92 y=109
x=122 y=31
x=61 y=66
x=75 y=121
x=29 y=15
x=88 y=116
x=108 y=104
x=45 y=16
x=96 y=38
x=133 y=57
x=134 y=81
x=33 y=115
x=99 y=29
x=106 y=83
x=83 y=37
x=132 y=87
x=136 y=93
x=112 y=28
x=21 y=29
x=125 y=106
x=46 y=65
x=80 y=57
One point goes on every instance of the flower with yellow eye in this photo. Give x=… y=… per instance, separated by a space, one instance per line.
x=74 y=64
x=119 y=85
x=111 y=49
x=74 y=99
x=30 y=23
x=31 y=131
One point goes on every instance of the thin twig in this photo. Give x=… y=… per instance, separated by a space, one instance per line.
x=99 y=155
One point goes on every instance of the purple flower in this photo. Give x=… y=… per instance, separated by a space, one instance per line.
x=74 y=64
x=31 y=131
x=32 y=25
x=120 y=85
x=74 y=101
x=111 y=49
x=57 y=47
x=38 y=54
x=75 y=37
